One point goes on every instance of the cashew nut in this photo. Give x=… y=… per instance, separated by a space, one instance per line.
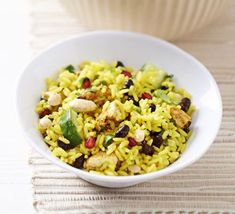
x=113 y=110
x=45 y=122
x=82 y=105
x=54 y=99
x=139 y=135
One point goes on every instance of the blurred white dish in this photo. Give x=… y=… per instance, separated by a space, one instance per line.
x=162 y=18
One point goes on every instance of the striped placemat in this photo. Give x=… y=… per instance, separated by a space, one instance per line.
x=208 y=186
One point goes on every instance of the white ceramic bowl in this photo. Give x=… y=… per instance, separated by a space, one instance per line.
x=134 y=50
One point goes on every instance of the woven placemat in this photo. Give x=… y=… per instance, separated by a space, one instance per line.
x=208 y=186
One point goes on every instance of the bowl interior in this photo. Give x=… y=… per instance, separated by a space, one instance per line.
x=133 y=50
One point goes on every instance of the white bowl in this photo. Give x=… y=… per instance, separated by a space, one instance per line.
x=162 y=18
x=134 y=50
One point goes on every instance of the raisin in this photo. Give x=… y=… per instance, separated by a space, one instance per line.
x=64 y=146
x=122 y=131
x=120 y=64
x=78 y=163
x=185 y=104
x=136 y=103
x=44 y=112
x=163 y=87
x=152 y=107
x=157 y=140
x=128 y=83
x=146 y=149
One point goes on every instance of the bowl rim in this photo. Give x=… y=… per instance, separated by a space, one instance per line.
x=129 y=178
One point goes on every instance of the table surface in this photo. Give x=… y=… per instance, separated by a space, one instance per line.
x=15 y=173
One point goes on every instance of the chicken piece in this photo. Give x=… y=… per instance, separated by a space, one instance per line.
x=182 y=119
x=99 y=159
x=112 y=112
x=90 y=95
x=97 y=96
x=101 y=123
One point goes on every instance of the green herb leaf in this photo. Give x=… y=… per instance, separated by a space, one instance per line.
x=70 y=68
x=69 y=128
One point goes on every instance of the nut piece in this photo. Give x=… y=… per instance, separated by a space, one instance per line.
x=82 y=105
x=182 y=119
x=139 y=135
x=134 y=169
x=99 y=159
x=54 y=99
x=112 y=111
x=45 y=122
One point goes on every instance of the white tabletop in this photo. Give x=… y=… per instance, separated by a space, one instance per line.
x=15 y=184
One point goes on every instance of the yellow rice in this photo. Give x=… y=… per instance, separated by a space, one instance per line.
x=69 y=86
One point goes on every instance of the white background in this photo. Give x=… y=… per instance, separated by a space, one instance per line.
x=15 y=174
